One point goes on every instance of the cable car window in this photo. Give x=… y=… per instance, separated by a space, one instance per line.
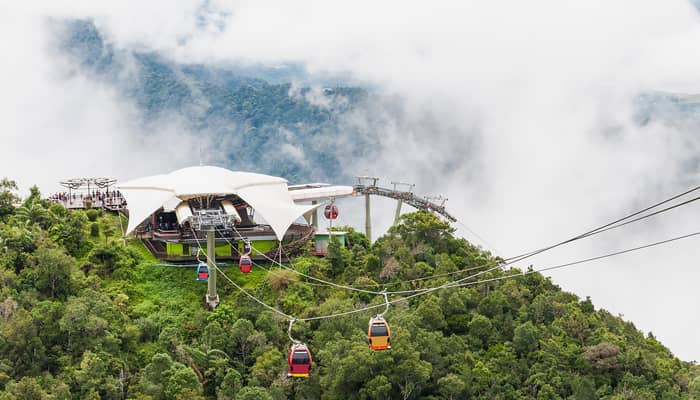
x=300 y=357
x=379 y=330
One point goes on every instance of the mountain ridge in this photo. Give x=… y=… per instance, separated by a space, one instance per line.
x=85 y=316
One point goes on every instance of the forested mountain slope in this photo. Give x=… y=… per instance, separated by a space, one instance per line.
x=254 y=114
x=279 y=119
x=84 y=317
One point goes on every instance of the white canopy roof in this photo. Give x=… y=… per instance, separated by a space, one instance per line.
x=326 y=192
x=268 y=195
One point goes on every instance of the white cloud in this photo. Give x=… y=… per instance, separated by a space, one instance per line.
x=520 y=112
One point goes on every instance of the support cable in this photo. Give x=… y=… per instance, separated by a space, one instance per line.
x=612 y=225
x=615 y=224
x=569 y=264
x=262 y=303
x=460 y=282
x=452 y=285
x=308 y=276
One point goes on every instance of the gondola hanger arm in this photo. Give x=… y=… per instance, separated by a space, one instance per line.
x=289 y=331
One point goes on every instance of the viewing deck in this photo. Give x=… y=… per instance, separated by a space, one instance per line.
x=109 y=203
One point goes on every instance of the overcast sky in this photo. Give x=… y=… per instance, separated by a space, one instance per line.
x=519 y=112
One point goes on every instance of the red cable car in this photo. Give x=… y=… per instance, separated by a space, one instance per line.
x=245 y=263
x=299 y=361
x=202 y=272
x=331 y=211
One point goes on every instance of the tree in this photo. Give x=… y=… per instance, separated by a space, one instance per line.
x=230 y=385
x=181 y=381
x=20 y=344
x=52 y=273
x=410 y=373
x=92 y=214
x=266 y=368
x=378 y=387
x=8 y=199
x=603 y=356
x=694 y=388
x=71 y=234
x=482 y=329
x=107 y=229
x=253 y=393
x=33 y=213
x=246 y=338
x=451 y=385
x=107 y=257
x=28 y=389
x=583 y=389
x=34 y=196
x=90 y=320
x=431 y=314
x=16 y=244
x=94 y=229
x=97 y=376
x=208 y=364
x=425 y=230
x=165 y=379
x=525 y=338
x=338 y=257
x=547 y=392
x=152 y=380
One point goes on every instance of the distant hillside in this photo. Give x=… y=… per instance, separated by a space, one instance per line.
x=674 y=109
x=259 y=121
x=296 y=132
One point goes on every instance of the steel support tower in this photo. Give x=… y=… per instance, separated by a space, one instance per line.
x=212 y=297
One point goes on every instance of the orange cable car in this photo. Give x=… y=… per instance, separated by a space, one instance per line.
x=379 y=334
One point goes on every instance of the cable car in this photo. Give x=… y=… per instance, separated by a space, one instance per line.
x=245 y=263
x=331 y=211
x=299 y=361
x=378 y=334
x=202 y=272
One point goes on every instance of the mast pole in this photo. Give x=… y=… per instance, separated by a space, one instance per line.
x=212 y=298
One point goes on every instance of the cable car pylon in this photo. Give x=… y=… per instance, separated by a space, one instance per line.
x=399 y=201
x=363 y=181
x=212 y=297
